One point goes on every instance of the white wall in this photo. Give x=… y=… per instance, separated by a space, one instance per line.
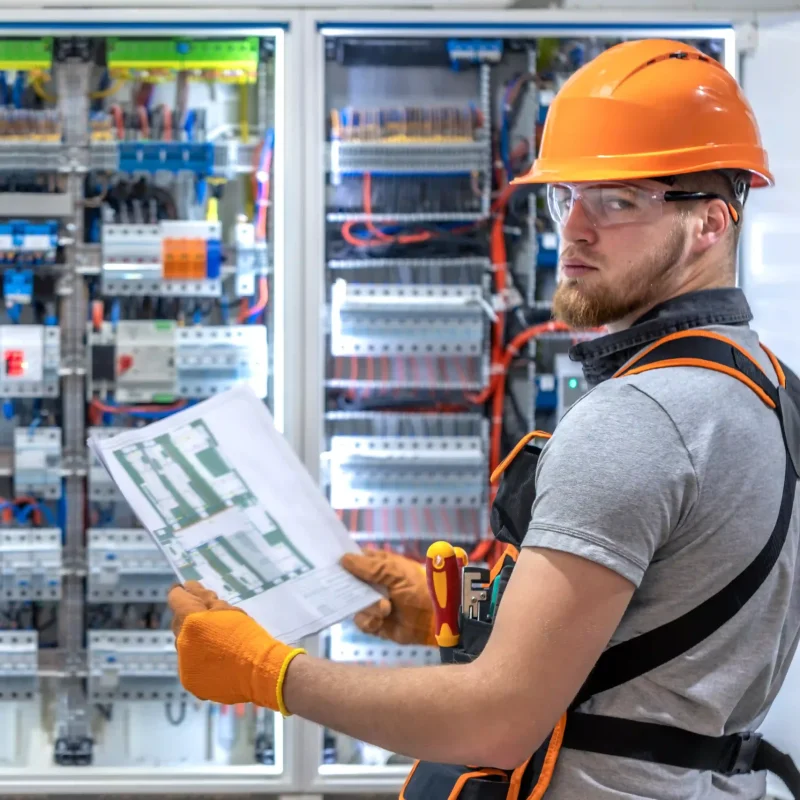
x=669 y=6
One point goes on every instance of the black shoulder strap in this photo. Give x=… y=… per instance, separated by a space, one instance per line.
x=628 y=660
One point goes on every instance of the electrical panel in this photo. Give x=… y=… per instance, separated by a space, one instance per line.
x=138 y=264
x=441 y=352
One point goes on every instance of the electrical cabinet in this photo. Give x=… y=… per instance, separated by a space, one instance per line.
x=437 y=351
x=142 y=252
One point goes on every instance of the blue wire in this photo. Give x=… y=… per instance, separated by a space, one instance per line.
x=8 y=409
x=505 y=147
x=14 y=312
x=62 y=510
x=189 y=124
x=46 y=512
x=18 y=90
x=115 y=313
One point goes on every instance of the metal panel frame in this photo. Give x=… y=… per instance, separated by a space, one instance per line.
x=346 y=779
x=284 y=25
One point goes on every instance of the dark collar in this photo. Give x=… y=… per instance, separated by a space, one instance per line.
x=603 y=356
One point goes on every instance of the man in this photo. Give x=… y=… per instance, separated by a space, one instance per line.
x=653 y=494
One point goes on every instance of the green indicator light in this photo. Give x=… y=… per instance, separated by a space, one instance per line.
x=573 y=383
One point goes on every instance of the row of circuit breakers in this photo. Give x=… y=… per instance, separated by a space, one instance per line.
x=143 y=361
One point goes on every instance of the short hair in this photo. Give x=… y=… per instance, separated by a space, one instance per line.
x=732 y=185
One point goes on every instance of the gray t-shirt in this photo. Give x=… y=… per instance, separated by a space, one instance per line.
x=673 y=479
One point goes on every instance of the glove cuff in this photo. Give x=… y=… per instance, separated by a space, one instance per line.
x=298 y=651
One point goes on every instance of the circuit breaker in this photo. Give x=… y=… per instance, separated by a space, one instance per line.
x=126 y=566
x=133 y=665
x=30 y=360
x=101 y=488
x=37 y=462
x=30 y=564
x=19 y=665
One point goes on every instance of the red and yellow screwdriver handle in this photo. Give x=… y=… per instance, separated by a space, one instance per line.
x=443 y=570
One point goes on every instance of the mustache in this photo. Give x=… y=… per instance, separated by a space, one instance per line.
x=574 y=254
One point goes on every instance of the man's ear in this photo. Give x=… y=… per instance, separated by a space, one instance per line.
x=711 y=225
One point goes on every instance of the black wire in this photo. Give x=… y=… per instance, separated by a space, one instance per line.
x=168 y=711
x=106 y=711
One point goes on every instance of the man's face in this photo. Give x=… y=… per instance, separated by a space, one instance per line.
x=620 y=251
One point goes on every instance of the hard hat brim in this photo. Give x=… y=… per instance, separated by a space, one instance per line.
x=650 y=165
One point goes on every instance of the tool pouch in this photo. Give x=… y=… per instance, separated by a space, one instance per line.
x=529 y=781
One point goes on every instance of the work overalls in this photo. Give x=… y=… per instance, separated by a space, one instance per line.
x=738 y=753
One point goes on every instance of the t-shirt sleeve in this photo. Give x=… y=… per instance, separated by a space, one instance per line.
x=614 y=482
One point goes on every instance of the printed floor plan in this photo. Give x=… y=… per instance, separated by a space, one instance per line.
x=213 y=525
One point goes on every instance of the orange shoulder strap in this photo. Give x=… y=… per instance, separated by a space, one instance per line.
x=708 y=350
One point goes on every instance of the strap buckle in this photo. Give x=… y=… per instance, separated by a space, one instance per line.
x=744 y=753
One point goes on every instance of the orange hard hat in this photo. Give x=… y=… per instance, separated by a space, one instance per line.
x=645 y=109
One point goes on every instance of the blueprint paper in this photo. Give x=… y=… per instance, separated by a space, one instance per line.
x=230 y=505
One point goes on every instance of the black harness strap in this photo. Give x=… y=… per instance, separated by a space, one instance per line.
x=728 y=755
x=628 y=660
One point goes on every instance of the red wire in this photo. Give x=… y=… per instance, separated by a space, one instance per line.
x=246 y=313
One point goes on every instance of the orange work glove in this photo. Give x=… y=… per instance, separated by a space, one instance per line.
x=406 y=617
x=224 y=655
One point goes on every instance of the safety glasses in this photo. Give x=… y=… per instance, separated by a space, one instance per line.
x=612 y=203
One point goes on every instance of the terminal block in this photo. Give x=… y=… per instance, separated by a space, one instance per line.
x=133 y=665
x=196 y=157
x=171 y=259
x=251 y=259
x=159 y=361
x=37 y=462
x=30 y=360
x=18 y=286
x=101 y=488
x=235 y=59
x=421 y=320
x=19 y=665
x=30 y=564
x=33 y=243
x=126 y=566
x=349 y=644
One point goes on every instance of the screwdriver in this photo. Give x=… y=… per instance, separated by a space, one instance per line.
x=443 y=571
